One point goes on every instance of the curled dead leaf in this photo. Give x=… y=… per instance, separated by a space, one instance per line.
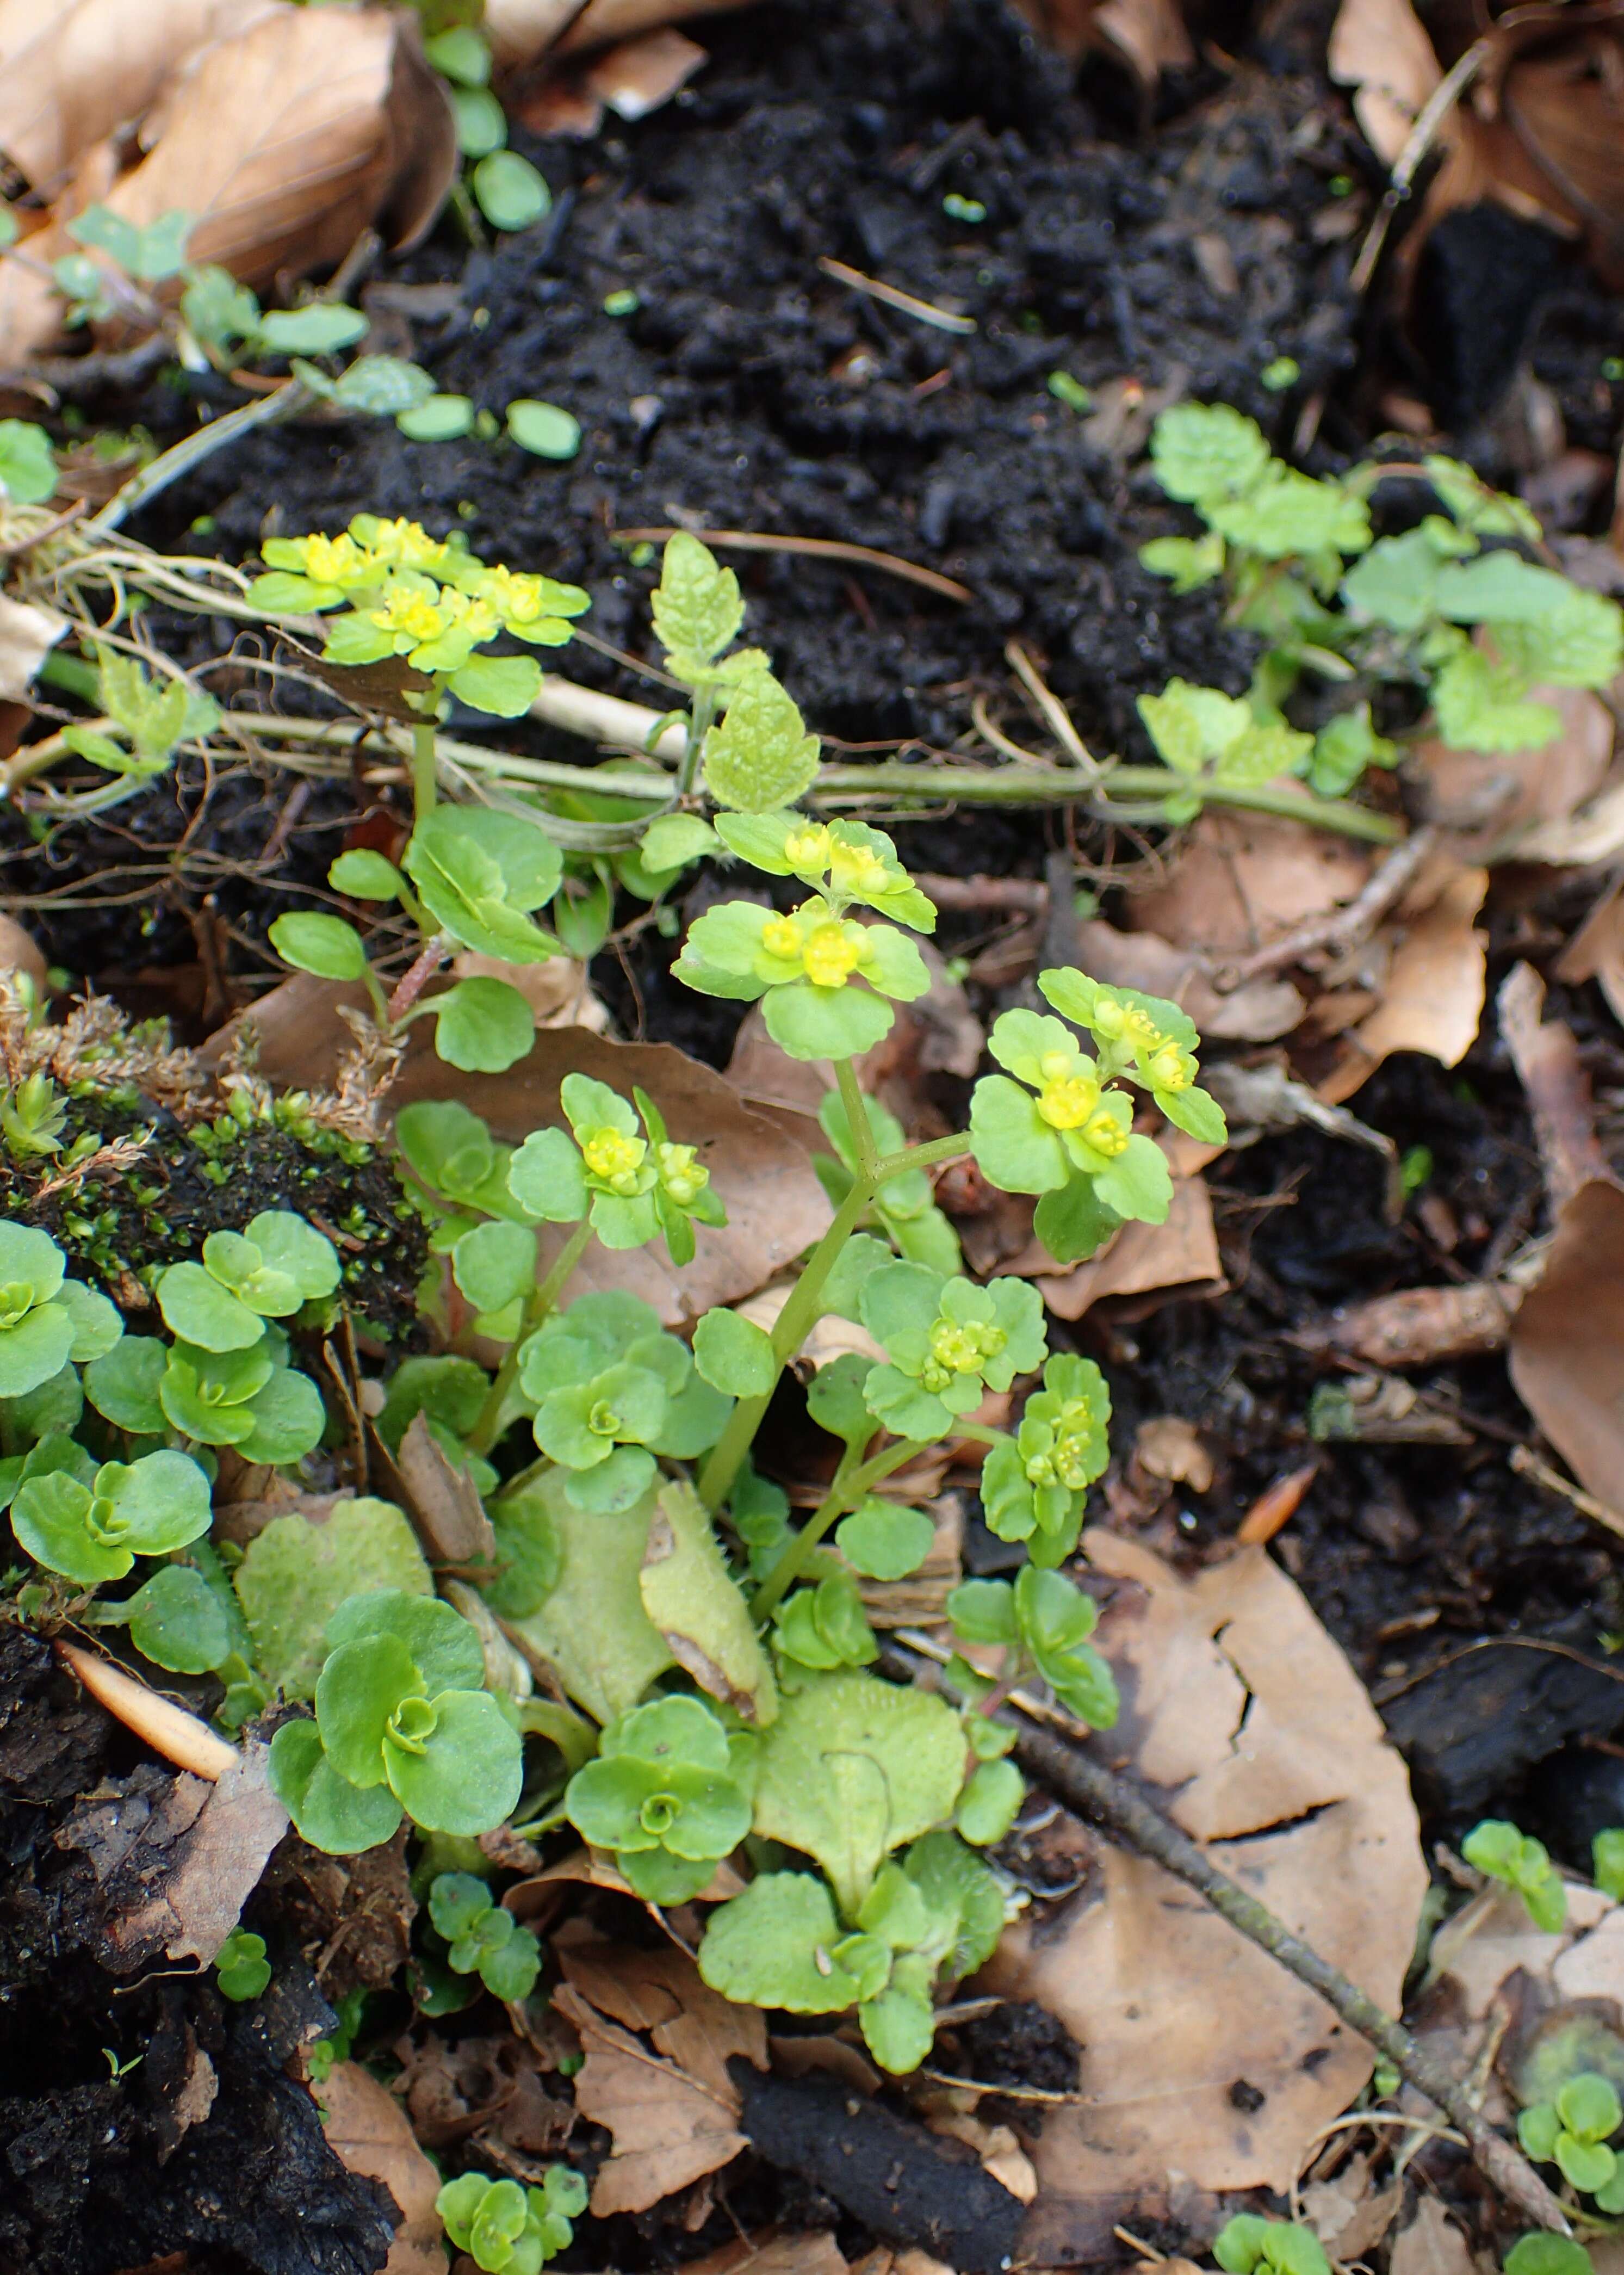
x=370 y=2133
x=1172 y=2009
x=1567 y=1356
x=1434 y=992
x=1490 y=803
x=1546 y=1057
x=1379 y=48
x=1240 y=881
x=1597 y=949
x=1415 y=1326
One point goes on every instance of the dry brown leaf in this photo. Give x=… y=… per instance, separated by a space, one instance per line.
x=369 y=2132
x=776 y=1208
x=1148 y=35
x=1170 y=1448
x=1259 y=1012
x=803 y=2251
x=669 y=2128
x=1239 y=1705
x=1566 y=1355
x=1346 y=2214
x=19 y=951
x=1433 y=999
x=602 y=23
x=558 y=992
x=1431 y=2244
x=438 y=1496
x=28 y=635
x=1594 y=834
x=1546 y=1058
x=1492 y=802
x=1597 y=949
x=1379 y=48
x=660 y=1992
x=286 y=142
x=1241 y=882
x=1182 y=1253
x=521 y=31
x=72 y=71
x=1415 y=1326
x=639 y=75
x=241 y=1822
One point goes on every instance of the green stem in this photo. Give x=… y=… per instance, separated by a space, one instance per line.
x=181 y=457
x=487 y=1430
x=858 y=1122
x=425 y=774
x=846 y=1490
x=788 y=1334
x=922 y=1157
x=693 y=750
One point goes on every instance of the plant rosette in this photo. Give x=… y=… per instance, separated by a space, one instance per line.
x=507 y=2229
x=824 y=982
x=612 y=1390
x=781 y=1944
x=668 y=1794
x=403 y=1726
x=1043 y=1620
x=45 y=1320
x=619 y=1166
x=271 y=1269
x=947 y=1342
x=1033 y=1485
x=1573 y=2132
x=483 y=1938
x=91 y=1528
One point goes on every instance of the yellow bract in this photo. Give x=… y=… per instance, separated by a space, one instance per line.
x=682 y=1174
x=831 y=956
x=1105 y=1135
x=611 y=1155
x=782 y=936
x=1066 y=1102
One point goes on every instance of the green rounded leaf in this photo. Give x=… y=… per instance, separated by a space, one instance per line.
x=322 y=329
x=547 y=1179
x=505 y=686
x=200 y=1311
x=494 y=1265
x=123 y=1385
x=178 y=1621
x=365 y=876
x=326 y=946
x=771 y=1947
x=359 y=1688
x=826 y=1022
x=97 y=1325
x=734 y=1355
x=51 y=1517
x=1587 y=2163
x=35 y=1351
x=484 y=1025
x=440 y=419
x=543 y=428
x=508 y=191
x=1589 y=2106
x=990 y=1803
x=339 y=1818
x=295 y=1574
x=27 y=463
x=468 y=1775
x=883 y=1540
x=444 y=1647
x=287 y=1417
x=1547 y=2255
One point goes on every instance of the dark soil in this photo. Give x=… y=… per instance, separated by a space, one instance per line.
x=749 y=391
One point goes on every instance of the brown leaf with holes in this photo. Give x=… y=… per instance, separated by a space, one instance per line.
x=1239 y=1706
x=670 y=2105
x=1567 y=1340
x=368 y=2131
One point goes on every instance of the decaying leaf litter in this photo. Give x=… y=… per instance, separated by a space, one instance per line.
x=1372 y=1331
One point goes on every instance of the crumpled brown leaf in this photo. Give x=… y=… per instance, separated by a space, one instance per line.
x=1242 y=881
x=670 y=2105
x=1597 y=949
x=286 y=142
x=1566 y=1355
x=776 y=1208
x=1492 y=800
x=1432 y=999
x=1379 y=48
x=1181 y=1252
x=1237 y=1704
x=368 y=2131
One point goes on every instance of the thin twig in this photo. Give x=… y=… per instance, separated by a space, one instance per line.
x=1027 y=895
x=924 y=312
x=1527 y=1463
x=1051 y=710
x=1347 y=928
x=1062 y=1764
x=821 y=548
x=1432 y=116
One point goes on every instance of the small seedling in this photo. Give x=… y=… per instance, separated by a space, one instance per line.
x=484 y=1938
x=241 y=1969
x=1250 y=2242
x=1498 y=1849
x=1573 y=2132
x=510 y=2230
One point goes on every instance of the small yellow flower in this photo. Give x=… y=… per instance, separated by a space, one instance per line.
x=409 y=612
x=516 y=597
x=831 y=955
x=1106 y=1134
x=682 y=1174
x=1066 y=1102
x=857 y=869
x=336 y=561
x=1171 y=1068
x=782 y=936
x=613 y=1157
x=808 y=848
x=404 y=545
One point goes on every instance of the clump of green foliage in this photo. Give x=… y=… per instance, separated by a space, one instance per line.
x=1498 y=1849
x=1249 y=2243
x=1573 y=2131
x=1450 y=608
x=711 y=1661
x=507 y=2229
